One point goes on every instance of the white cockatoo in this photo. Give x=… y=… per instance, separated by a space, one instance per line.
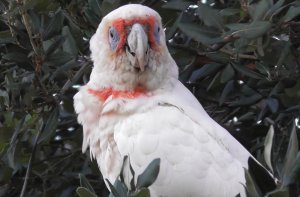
x=135 y=105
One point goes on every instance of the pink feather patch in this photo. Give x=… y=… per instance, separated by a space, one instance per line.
x=107 y=92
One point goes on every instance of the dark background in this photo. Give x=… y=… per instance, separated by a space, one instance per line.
x=240 y=59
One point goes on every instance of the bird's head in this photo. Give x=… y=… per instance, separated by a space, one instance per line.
x=129 y=50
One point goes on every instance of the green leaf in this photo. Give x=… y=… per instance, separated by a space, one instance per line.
x=260 y=9
x=54 y=46
x=54 y=26
x=95 y=6
x=245 y=71
x=113 y=190
x=273 y=104
x=251 y=186
x=290 y=156
x=244 y=101
x=6 y=37
x=149 y=175
x=69 y=45
x=275 y=8
x=85 y=183
x=210 y=16
x=144 y=192
x=250 y=31
x=226 y=91
x=51 y=124
x=284 y=53
x=229 y=12
x=294 y=173
x=84 y=192
x=109 y=5
x=291 y=13
x=268 y=147
x=177 y=5
x=16 y=57
x=204 y=71
x=59 y=58
x=227 y=74
x=200 y=33
x=213 y=81
x=121 y=188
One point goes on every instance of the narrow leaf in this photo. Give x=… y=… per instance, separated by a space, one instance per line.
x=252 y=74
x=6 y=37
x=227 y=74
x=250 y=31
x=250 y=185
x=113 y=190
x=291 y=154
x=54 y=26
x=83 y=192
x=144 y=192
x=210 y=16
x=273 y=104
x=69 y=45
x=50 y=126
x=291 y=13
x=204 y=71
x=294 y=174
x=149 y=175
x=85 y=183
x=226 y=91
x=200 y=33
x=268 y=147
x=177 y=5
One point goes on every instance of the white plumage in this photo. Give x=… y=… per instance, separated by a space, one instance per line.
x=134 y=105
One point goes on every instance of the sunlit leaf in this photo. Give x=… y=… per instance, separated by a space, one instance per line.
x=268 y=147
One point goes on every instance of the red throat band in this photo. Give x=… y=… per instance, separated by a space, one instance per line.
x=102 y=95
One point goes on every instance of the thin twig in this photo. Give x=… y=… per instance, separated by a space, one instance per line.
x=30 y=164
x=78 y=74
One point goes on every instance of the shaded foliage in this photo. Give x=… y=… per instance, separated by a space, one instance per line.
x=239 y=58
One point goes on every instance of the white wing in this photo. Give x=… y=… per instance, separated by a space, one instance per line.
x=198 y=157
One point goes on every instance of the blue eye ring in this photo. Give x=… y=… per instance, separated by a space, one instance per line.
x=113 y=38
x=157 y=32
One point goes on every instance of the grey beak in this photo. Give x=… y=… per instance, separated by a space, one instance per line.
x=137 y=47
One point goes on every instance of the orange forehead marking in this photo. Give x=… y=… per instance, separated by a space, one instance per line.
x=121 y=24
x=107 y=92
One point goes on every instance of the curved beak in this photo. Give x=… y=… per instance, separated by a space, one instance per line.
x=137 y=47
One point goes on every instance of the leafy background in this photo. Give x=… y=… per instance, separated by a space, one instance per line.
x=240 y=58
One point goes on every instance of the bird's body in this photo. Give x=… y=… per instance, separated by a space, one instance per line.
x=134 y=105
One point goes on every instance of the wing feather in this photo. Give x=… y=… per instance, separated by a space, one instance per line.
x=193 y=162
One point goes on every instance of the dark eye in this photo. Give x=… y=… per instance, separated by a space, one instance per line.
x=156 y=33
x=113 y=38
